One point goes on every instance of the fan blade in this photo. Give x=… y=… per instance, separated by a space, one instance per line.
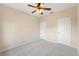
x=38 y=4
x=32 y=6
x=34 y=11
x=46 y=8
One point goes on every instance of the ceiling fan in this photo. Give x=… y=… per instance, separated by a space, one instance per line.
x=39 y=8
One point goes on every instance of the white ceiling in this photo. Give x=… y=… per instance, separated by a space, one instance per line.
x=54 y=6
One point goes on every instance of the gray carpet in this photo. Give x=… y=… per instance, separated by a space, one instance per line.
x=41 y=48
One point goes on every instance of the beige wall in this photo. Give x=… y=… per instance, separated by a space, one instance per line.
x=51 y=22
x=78 y=26
x=16 y=28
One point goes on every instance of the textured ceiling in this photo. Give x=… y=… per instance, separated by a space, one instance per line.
x=54 y=6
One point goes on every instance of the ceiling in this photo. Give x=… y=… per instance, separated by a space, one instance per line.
x=54 y=6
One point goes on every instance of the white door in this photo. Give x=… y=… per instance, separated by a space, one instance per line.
x=43 y=30
x=64 y=30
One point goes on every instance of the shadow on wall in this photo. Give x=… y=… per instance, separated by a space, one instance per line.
x=2 y=43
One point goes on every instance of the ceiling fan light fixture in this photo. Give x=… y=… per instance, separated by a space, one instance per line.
x=42 y=5
x=39 y=10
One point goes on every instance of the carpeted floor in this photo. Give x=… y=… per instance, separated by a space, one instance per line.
x=41 y=48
